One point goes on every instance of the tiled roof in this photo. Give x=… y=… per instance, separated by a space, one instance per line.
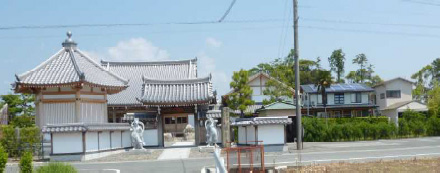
x=278 y=106
x=353 y=87
x=70 y=66
x=80 y=127
x=388 y=81
x=177 y=92
x=251 y=109
x=261 y=121
x=133 y=71
x=211 y=114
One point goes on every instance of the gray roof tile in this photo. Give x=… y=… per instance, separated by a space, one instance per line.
x=134 y=71
x=67 y=66
x=177 y=92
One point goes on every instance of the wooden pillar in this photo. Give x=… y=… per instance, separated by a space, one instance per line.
x=160 y=126
x=114 y=115
x=77 y=105
x=196 y=126
x=226 y=128
x=84 y=141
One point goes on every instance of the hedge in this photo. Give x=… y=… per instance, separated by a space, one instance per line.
x=56 y=167
x=28 y=140
x=412 y=124
x=3 y=159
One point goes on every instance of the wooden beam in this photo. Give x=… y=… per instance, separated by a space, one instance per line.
x=57 y=100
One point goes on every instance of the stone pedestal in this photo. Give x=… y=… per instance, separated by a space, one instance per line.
x=206 y=149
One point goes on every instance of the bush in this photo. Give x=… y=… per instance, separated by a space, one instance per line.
x=433 y=126
x=56 y=167
x=29 y=138
x=9 y=141
x=3 y=159
x=26 y=163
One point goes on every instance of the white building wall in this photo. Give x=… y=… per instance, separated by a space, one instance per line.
x=104 y=140
x=271 y=134
x=91 y=141
x=93 y=112
x=150 y=137
x=126 y=139
x=57 y=113
x=116 y=139
x=405 y=91
x=250 y=133
x=241 y=135
x=190 y=120
x=382 y=103
x=67 y=143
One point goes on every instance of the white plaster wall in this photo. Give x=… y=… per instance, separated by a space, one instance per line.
x=104 y=140
x=330 y=99
x=250 y=133
x=116 y=139
x=91 y=141
x=96 y=97
x=67 y=96
x=392 y=114
x=126 y=139
x=241 y=135
x=271 y=134
x=57 y=113
x=150 y=137
x=190 y=120
x=93 y=113
x=405 y=89
x=67 y=143
x=382 y=103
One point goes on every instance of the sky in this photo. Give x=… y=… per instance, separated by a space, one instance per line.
x=399 y=37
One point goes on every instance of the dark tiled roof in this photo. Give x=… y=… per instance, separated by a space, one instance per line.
x=261 y=121
x=134 y=71
x=177 y=92
x=68 y=66
x=354 y=87
x=251 y=109
x=81 y=127
x=211 y=114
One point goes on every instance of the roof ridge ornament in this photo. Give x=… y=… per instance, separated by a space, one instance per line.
x=69 y=43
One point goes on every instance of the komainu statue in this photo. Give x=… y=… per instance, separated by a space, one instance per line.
x=137 y=134
x=211 y=132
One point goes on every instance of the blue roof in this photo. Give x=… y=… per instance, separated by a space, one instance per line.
x=335 y=88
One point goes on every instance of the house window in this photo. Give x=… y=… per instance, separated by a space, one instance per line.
x=181 y=120
x=382 y=96
x=356 y=98
x=339 y=98
x=393 y=94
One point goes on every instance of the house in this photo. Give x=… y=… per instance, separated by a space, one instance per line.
x=257 y=83
x=343 y=100
x=393 y=97
x=270 y=123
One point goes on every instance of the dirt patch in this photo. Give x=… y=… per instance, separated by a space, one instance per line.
x=130 y=156
x=412 y=165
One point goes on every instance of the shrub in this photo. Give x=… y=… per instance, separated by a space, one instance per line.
x=26 y=163
x=3 y=159
x=403 y=128
x=433 y=126
x=29 y=138
x=9 y=141
x=55 y=167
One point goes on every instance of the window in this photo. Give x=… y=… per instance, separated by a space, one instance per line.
x=167 y=120
x=382 y=95
x=393 y=94
x=339 y=98
x=356 y=98
x=181 y=120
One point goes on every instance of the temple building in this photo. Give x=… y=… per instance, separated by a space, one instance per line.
x=84 y=107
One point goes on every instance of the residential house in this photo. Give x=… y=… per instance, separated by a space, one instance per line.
x=394 y=96
x=343 y=100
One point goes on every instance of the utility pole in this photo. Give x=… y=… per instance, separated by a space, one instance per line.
x=297 y=83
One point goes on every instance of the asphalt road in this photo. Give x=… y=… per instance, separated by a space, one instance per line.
x=320 y=152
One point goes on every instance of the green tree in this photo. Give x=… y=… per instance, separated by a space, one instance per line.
x=434 y=99
x=240 y=99
x=362 y=61
x=425 y=80
x=337 y=60
x=3 y=159
x=22 y=104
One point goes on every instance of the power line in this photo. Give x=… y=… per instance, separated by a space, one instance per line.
x=282 y=39
x=422 y=2
x=372 y=23
x=227 y=11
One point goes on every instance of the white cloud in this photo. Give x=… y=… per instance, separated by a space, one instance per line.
x=135 y=49
x=207 y=65
x=212 y=42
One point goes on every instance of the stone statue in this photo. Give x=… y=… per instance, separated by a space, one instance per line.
x=211 y=132
x=137 y=134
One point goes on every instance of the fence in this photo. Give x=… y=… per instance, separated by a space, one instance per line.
x=249 y=158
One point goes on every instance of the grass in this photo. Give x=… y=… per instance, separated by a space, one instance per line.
x=412 y=165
